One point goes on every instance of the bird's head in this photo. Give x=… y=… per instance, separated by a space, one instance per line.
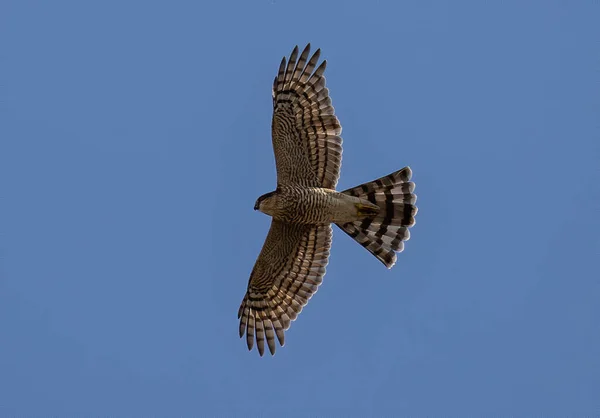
x=266 y=203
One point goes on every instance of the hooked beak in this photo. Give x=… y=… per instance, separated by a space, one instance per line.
x=256 y=206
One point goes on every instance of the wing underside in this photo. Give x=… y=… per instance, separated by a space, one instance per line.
x=305 y=130
x=287 y=273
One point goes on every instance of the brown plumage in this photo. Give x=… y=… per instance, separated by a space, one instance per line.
x=308 y=153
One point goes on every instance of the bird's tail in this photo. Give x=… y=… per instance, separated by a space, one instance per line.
x=384 y=233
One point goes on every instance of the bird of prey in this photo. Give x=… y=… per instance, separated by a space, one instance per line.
x=308 y=153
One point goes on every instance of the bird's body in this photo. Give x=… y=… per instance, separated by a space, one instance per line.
x=308 y=153
x=315 y=206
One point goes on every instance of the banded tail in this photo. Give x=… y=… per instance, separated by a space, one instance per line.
x=384 y=233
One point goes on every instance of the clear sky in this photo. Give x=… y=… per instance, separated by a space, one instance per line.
x=135 y=138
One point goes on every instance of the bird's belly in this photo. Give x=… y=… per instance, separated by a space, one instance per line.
x=321 y=206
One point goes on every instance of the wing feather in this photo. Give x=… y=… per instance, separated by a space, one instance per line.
x=305 y=130
x=286 y=275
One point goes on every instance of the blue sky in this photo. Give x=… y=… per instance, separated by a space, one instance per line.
x=135 y=138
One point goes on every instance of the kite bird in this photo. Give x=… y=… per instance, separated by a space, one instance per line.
x=308 y=153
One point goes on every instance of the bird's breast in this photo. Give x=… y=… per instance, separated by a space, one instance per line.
x=314 y=205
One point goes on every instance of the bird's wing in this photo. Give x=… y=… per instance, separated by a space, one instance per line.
x=305 y=130
x=288 y=271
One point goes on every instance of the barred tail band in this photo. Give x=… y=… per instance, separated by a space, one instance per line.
x=384 y=234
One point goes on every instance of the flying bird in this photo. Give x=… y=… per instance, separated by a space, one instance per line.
x=308 y=152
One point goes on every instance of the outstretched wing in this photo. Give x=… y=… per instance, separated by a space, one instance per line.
x=305 y=130
x=288 y=271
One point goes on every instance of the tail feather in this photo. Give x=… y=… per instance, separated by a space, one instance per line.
x=384 y=233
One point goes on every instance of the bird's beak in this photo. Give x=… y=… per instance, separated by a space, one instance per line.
x=256 y=206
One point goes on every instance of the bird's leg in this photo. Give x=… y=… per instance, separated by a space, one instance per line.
x=364 y=209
